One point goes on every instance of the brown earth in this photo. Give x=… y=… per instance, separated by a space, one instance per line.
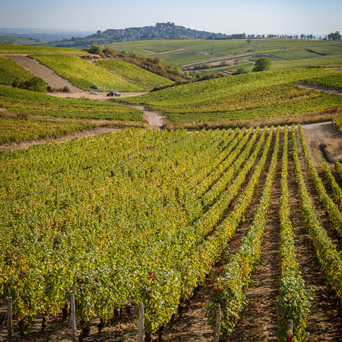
x=40 y=70
x=324 y=141
x=161 y=53
x=102 y=96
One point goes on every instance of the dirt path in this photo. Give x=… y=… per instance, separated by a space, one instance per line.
x=161 y=53
x=40 y=70
x=320 y=88
x=154 y=119
x=258 y=321
x=27 y=144
x=217 y=59
x=324 y=140
x=102 y=96
x=323 y=323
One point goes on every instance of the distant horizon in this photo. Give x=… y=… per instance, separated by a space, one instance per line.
x=219 y=16
x=63 y=30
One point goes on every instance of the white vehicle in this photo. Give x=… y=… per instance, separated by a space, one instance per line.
x=93 y=92
x=117 y=94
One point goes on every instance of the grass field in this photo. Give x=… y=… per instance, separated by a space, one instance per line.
x=20 y=41
x=193 y=50
x=12 y=48
x=27 y=102
x=134 y=75
x=11 y=71
x=243 y=97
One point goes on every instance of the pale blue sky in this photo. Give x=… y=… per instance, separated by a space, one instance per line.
x=225 y=16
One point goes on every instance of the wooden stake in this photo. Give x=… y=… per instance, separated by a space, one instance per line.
x=73 y=316
x=217 y=325
x=141 y=322
x=289 y=331
x=9 y=318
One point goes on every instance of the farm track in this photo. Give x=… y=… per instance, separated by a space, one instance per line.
x=258 y=321
x=319 y=88
x=47 y=74
x=323 y=324
x=68 y=137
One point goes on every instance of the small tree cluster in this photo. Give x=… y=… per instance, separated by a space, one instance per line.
x=334 y=36
x=262 y=64
x=158 y=66
x=34 y=84
x=95 y=49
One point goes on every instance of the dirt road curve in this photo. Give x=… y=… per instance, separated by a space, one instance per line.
x=101 y=96
x=27 y=144
x=320 y=88
x=48 y=75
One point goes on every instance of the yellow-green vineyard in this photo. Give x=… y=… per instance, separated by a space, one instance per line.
x=145 y=215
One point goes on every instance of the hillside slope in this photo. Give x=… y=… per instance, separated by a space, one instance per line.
x=133 y=74
x=244 y=97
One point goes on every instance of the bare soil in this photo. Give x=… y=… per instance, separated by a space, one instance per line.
x=40 y=70
x=323 y=141
x=258 y=321
x=163 y=52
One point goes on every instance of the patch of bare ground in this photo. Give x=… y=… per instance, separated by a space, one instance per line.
x=323 y=322
x=304 y=119
x=163 y=52
x=320 y=88
x=324 y=143
x=258 y=321
x=40 y=70
x=101 y=96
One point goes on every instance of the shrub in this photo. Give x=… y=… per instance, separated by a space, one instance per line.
x=262 y=64
x=240 y=71
x=109 y=51
x=66 y=89
x=34 y=84
x=95 y=49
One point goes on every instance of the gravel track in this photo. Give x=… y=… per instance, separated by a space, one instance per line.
x=48 y=75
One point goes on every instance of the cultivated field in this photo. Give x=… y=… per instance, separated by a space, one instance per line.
x=254 y=96
x=288 y=51
x=143 y=216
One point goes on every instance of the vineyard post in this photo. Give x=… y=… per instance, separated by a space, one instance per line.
x=141 y=322
x=217 y=325
x=9 y=318
x=73 y=316
x=289 y=331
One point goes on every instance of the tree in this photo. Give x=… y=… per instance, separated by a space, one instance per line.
x=262 y=64
x=239 y=71
x=334 y=36
x=34 y=84
x=95 y=49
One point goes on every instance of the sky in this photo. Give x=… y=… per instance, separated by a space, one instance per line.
x=219 y=16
